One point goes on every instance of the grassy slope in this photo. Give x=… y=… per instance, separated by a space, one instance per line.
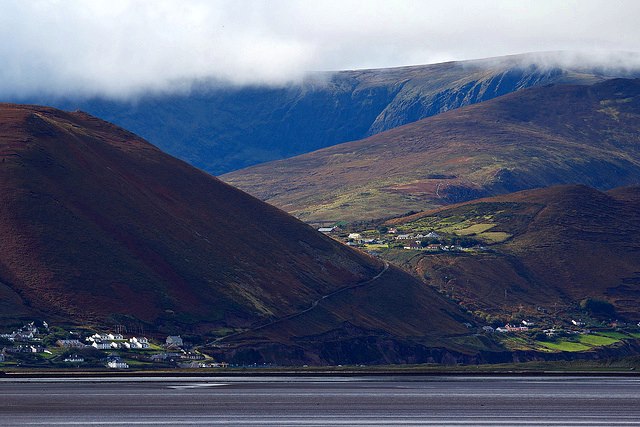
x=532 y=138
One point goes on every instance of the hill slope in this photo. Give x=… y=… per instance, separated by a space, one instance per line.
x=563 y=244
x=532 y=138
x=99 y=226
x=220 y=129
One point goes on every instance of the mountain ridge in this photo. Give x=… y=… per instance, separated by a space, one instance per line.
x=220 y=129
x=532 y=138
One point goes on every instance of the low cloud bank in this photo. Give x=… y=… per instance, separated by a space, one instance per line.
x=123 y=48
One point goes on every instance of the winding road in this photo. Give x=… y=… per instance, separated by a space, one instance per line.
x=306 y=310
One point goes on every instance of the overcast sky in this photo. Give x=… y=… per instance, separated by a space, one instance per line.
x=122 y=48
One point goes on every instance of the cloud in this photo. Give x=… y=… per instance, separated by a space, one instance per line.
x=121 y=48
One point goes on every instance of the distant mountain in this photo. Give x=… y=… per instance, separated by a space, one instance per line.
x=562 y=245
x=99 y=227
x=532 y=138
x=224 y=129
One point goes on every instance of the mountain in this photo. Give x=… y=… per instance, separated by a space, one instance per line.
x=588 y=134
x=556 y=247
x=99 y=227
x=220 y=129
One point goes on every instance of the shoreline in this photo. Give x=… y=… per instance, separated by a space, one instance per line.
x=293 y=373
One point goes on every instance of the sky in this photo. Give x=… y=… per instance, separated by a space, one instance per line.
x=124 y=48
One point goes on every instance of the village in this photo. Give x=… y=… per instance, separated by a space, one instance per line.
x=374 y=240
x=38 y=345
x=539 y=330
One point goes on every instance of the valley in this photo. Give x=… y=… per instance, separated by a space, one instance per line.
x=420 y=245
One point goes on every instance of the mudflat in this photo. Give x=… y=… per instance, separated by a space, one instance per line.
x=322 y=401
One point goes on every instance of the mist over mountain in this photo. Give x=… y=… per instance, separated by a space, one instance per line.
x=220 y=128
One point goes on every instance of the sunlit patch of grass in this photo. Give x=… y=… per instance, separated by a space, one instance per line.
x=494 y=236
x=617 y=335
x=597 y=340
x=475 y=229
x=568 y=346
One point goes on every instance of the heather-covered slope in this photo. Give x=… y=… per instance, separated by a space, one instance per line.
x=532 y=138
x=564 y=244
x=99 y=226
x=221 y=129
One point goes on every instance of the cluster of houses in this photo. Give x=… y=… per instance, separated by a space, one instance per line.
x=429 y=242
x=26 y=340
x=31 y=337
x=28 y=332
x=117 y=341
x=527 y=324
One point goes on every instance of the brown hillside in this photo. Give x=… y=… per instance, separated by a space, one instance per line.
x=567 y=243
x=98 y=226
x=532 y=138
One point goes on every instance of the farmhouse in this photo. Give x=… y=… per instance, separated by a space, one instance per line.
x=511 y=328
x=138 y=342
x=101 y=345
x=117 y=364
x=326 y=229
x=414 y=247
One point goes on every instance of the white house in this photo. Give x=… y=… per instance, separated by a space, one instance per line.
x=326 y=229
x=1 y=358
x=98 y=337
x=74 y=359
x=354 y=236
x=115 y=337
x=117 y=364
x=139 y=342
x=101 y=345
x=403 y=236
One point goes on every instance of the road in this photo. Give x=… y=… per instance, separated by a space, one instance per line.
x=313 y=305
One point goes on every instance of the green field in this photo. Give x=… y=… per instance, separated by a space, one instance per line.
x=597 y=340
x=563 y=346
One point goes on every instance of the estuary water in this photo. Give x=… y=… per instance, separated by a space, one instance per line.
x=322 y=401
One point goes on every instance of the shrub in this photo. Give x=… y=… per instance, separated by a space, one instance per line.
x=598 y=307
